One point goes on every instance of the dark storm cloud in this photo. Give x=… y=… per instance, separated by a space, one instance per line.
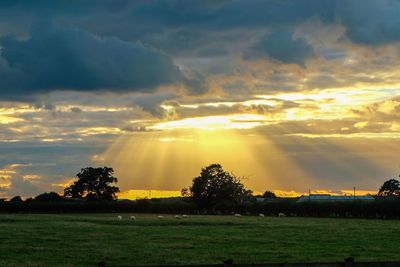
x=123 y=46
x=371 y=22
x=159 y=22
x=70 y=59
x=176 y=26
x=227 y=14
x=281 y=45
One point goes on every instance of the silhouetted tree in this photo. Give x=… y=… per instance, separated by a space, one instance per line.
x=215 y=186
x=185 y=192
x=390 y=188
x=48 y=197
x=269 y=194
x=94 y=184
x=16 y=199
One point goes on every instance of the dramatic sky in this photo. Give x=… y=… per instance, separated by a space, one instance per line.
x=291 y=94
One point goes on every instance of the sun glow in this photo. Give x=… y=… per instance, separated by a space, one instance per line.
x=168 y=159
x=239 y=121
x=141 y=194
x=253 y=144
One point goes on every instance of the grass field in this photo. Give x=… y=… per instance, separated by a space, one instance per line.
x=84 y=240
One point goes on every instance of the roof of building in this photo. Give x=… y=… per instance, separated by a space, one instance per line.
x=328 y=197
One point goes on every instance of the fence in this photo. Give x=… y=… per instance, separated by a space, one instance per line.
x=229 y=263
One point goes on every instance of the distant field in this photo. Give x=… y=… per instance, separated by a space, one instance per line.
x=84 y=240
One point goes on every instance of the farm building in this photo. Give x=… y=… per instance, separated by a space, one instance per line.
x=328 y=197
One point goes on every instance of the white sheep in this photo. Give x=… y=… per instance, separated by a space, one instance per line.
x=133 y=218
x=177 y=216
x=119 y=217
x=238 y=215
x=261 y=215
x=160 y=217
x=184 y=216
x=280 y=214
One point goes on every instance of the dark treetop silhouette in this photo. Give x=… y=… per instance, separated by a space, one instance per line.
x=215 y=186
x=390 y=188
x=94 y=184
x=269 y=194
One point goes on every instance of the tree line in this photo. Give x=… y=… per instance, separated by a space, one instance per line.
x=214 y=191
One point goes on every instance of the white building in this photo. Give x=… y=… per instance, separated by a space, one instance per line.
x=329 y=198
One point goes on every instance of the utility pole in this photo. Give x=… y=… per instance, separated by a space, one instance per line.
x=354 y=193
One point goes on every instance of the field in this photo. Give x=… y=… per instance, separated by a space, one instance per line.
x=84 y=240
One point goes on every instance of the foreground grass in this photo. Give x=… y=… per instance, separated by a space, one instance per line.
x=84 y=240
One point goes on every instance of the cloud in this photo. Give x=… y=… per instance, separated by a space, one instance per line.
x=23 y=187
x=283 y=46
x=187 y=27
x=136 y=46
x=72 y=59
x=371 y=22
x=387 y=111
x=151 y=102
x=224 y=14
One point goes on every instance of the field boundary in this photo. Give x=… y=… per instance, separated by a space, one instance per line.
x=229 y=263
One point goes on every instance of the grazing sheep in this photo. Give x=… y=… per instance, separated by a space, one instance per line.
x=119 y=217
x=280 y=214
x=160 y=217
x=177 y=216
x=261 y=215
x=133 y=218
x=184 y=216
x=238 y=215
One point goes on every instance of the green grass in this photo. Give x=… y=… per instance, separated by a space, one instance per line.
x=84 y=240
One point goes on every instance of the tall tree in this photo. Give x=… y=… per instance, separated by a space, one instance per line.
x=390 y=188
x=269 y=194
x=216 y=186
x=95 y=184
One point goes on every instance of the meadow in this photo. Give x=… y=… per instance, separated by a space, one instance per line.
x=86 y=239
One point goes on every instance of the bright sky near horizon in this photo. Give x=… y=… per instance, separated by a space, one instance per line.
x=291 y=94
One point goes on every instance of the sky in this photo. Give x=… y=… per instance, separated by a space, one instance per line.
x=291 y=95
